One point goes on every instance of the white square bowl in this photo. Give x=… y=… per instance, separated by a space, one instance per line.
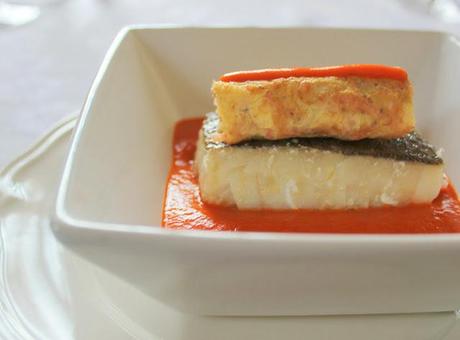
x=109 y=202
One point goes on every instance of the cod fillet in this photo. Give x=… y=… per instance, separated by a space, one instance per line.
x=348 y=108
x=316 y=173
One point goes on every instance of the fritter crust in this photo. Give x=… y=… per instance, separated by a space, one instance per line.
x=348 y=108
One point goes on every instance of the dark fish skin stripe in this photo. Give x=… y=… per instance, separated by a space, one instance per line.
x=408 y=148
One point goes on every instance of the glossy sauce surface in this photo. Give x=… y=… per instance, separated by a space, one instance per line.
x=184 y=209
x=357 y=70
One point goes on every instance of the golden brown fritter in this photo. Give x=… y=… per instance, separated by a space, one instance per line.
x=348 y=108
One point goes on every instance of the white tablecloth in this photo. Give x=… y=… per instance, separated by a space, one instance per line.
x=47 y=66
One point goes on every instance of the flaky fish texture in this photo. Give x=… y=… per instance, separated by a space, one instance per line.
x=348 y=108
x=316 y=173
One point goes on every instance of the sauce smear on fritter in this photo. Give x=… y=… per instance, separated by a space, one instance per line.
x=184 y=209
x=354 y=70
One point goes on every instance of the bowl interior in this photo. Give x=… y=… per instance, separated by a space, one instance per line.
x=122 y=147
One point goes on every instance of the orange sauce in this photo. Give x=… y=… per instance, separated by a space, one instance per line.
x=184 y=209
x=358 y=70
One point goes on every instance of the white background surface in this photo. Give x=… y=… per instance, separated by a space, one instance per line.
x=47 y=66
